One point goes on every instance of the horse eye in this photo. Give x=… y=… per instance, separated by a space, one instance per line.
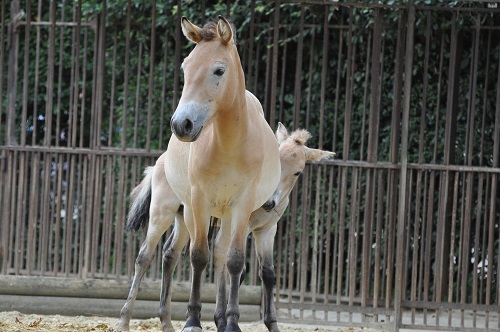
x=219 y=72
x=298 y=173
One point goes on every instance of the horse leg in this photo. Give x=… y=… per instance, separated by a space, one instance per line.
x=235 y=267
x=142 y=262
x=264 y=241
x=163 y=207
x=220 y=256
x=171 y=252
x=199 y=254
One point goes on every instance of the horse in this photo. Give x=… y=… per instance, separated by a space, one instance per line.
x=222 y=161
x=263 y=224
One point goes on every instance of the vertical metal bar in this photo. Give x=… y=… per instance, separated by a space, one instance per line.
x=8 y=220
x=324 y=66
x=2 y=47
x=101 y=72
x=485 y=97
x=21 y=186
x=16 y=15
x=126 y=78
x=378 y=239
x=120 y=217
x=398 y=291
x=178 y=38
x=163 y=93
x=50 y=75
x=274 y=67
x=353 y=240
x=298 y=70
x=151 y=73
x=27 y=30
x=251 y=38
x=328 y=245
x=365 y=96
x=109 y=189
x=33 y=214
x=312 y=55
x=113 y=91
x=475 y=286
x=137 y=94
x=283 y=81
x=73 y=127
x=59 y=76
x=493 y=205
x=372 y=149
x=304 y=239
x=267 y=79
x=57 y=216
x=452 y=243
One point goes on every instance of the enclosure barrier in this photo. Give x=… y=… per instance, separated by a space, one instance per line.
x=401 y=231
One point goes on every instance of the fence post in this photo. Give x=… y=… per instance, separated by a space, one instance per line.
x=398 y=294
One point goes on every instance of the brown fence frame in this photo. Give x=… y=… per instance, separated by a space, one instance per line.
x=421 y=214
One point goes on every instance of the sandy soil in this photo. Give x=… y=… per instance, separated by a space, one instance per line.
x=13 y=321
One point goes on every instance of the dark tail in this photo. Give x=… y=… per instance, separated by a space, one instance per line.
x=140 y=199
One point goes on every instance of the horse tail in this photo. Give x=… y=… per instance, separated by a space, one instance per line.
x=140 y=200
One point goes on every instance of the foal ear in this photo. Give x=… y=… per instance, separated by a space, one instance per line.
x=281 y=133
x=224 y=30
x=190 y=30
x=316 y=155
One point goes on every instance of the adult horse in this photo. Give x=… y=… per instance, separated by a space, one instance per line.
x=223 y=160
x=153 y=203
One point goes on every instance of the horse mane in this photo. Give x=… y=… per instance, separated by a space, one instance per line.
x=209 y=31
x=300 y=136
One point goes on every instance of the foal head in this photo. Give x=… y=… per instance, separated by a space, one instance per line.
x=213 y=77
x=293 y=156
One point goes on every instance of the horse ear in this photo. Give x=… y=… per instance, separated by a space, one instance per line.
x=224 y=30
x=190 y=30
x=316 y=155
x=281 y=133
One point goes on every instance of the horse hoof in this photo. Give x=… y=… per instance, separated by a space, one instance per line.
x=123 y=327
x=192 y=329
x=231 y=327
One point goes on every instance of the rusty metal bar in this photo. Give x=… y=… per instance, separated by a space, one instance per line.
x=312 y=55
x=113 y=91
x=2 y=48
x=126 y=78
x=163 y=93
x=274 y=67
x=297 y=92
x=402 y=199
x=151 y=74
x=13 y=46
x=25 y=75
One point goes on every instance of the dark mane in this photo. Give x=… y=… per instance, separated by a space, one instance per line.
x=209 y=31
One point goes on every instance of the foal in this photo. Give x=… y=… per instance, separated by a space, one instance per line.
x=153 y=198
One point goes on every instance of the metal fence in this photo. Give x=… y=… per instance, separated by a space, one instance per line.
x=401 y=231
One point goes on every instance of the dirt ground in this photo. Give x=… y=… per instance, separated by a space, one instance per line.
x=13 y=321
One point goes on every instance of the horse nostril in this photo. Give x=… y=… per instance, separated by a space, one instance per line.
x=187 y=125
x=269 y=205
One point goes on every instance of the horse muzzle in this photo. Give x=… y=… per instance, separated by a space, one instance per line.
x=187 y=123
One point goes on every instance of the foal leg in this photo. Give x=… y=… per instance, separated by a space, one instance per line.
x=171 y=252
x=264 y=241
x=163 y=207
x=199 y=252
x=142 y=262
